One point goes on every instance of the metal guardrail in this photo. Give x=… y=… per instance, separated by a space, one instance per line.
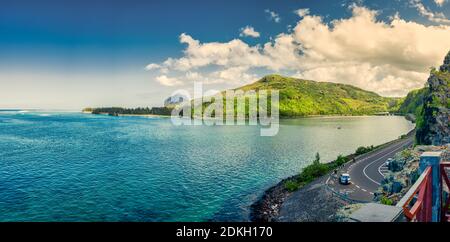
x=428 y=200
x=445 y=216
x=421 y=209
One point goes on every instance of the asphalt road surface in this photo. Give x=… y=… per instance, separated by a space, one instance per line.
x=367 y=171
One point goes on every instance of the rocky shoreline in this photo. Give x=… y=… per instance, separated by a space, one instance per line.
x=315 y=195
x=267 y=208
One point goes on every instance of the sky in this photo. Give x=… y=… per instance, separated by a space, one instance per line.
x=75 y=54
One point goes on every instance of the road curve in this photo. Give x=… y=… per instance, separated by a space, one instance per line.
x=367 y=171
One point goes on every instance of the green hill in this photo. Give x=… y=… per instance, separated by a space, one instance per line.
x=304 y=97
x=413 y=102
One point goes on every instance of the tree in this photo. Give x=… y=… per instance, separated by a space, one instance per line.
x=317 y=160
x=340 y=160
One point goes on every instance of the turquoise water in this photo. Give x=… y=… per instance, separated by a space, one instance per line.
x=82 y=167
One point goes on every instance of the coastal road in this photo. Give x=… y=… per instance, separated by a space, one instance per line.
x=367 y=171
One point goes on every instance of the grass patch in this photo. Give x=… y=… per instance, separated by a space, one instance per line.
x=291 y=185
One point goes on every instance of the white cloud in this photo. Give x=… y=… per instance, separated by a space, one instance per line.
x=168 y=81
x=230 y=76
x=273 y=15
x=152 y=66
x=302 y=12
x=381 y=79
x=249 y=31
x=232 y=53
x=439 y=18
x=387 y=57
x=440 y=3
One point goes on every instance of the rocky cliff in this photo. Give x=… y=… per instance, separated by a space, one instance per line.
x=433 y=121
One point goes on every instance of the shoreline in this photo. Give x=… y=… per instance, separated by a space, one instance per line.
x=128 y=115
x=281 y=118
x=267 y=207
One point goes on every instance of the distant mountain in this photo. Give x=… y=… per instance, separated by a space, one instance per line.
x=300 y=97
x=433 y=117
x=174 y=100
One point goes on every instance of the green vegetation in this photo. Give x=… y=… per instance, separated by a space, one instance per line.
x=413 y=102
x=304 y=98
x=406 y=154
x=299 y=98
x=313 y=171
x=432 y=118
x=88 y=110
x=114 y=111
x=362 y=150
x=291 y=185
x=386 y=201
x=341 y=160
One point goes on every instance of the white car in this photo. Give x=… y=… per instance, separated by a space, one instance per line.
x=344 y=179
x=388 y=162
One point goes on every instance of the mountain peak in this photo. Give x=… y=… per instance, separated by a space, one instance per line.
x=446 y=65
x=272 y=77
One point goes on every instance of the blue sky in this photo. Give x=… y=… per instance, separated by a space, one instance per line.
x=71 y=54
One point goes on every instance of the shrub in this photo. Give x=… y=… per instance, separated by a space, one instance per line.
x=386 y=201
x=317 y=160
x=291 y=186
x=362 y=150
x=315 y=170
x=340 y=160
x=406 y=154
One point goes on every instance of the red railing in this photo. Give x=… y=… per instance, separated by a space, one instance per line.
x=419 y=210
x=445 y=216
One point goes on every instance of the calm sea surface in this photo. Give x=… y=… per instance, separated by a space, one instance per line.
x=82 y=167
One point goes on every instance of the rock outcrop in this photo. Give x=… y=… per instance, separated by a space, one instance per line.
x=446 y=66
x=433 y=123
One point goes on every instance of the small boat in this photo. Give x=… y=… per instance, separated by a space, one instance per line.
x=339 y=127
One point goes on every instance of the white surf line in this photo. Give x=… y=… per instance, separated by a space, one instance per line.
x=401 y=145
